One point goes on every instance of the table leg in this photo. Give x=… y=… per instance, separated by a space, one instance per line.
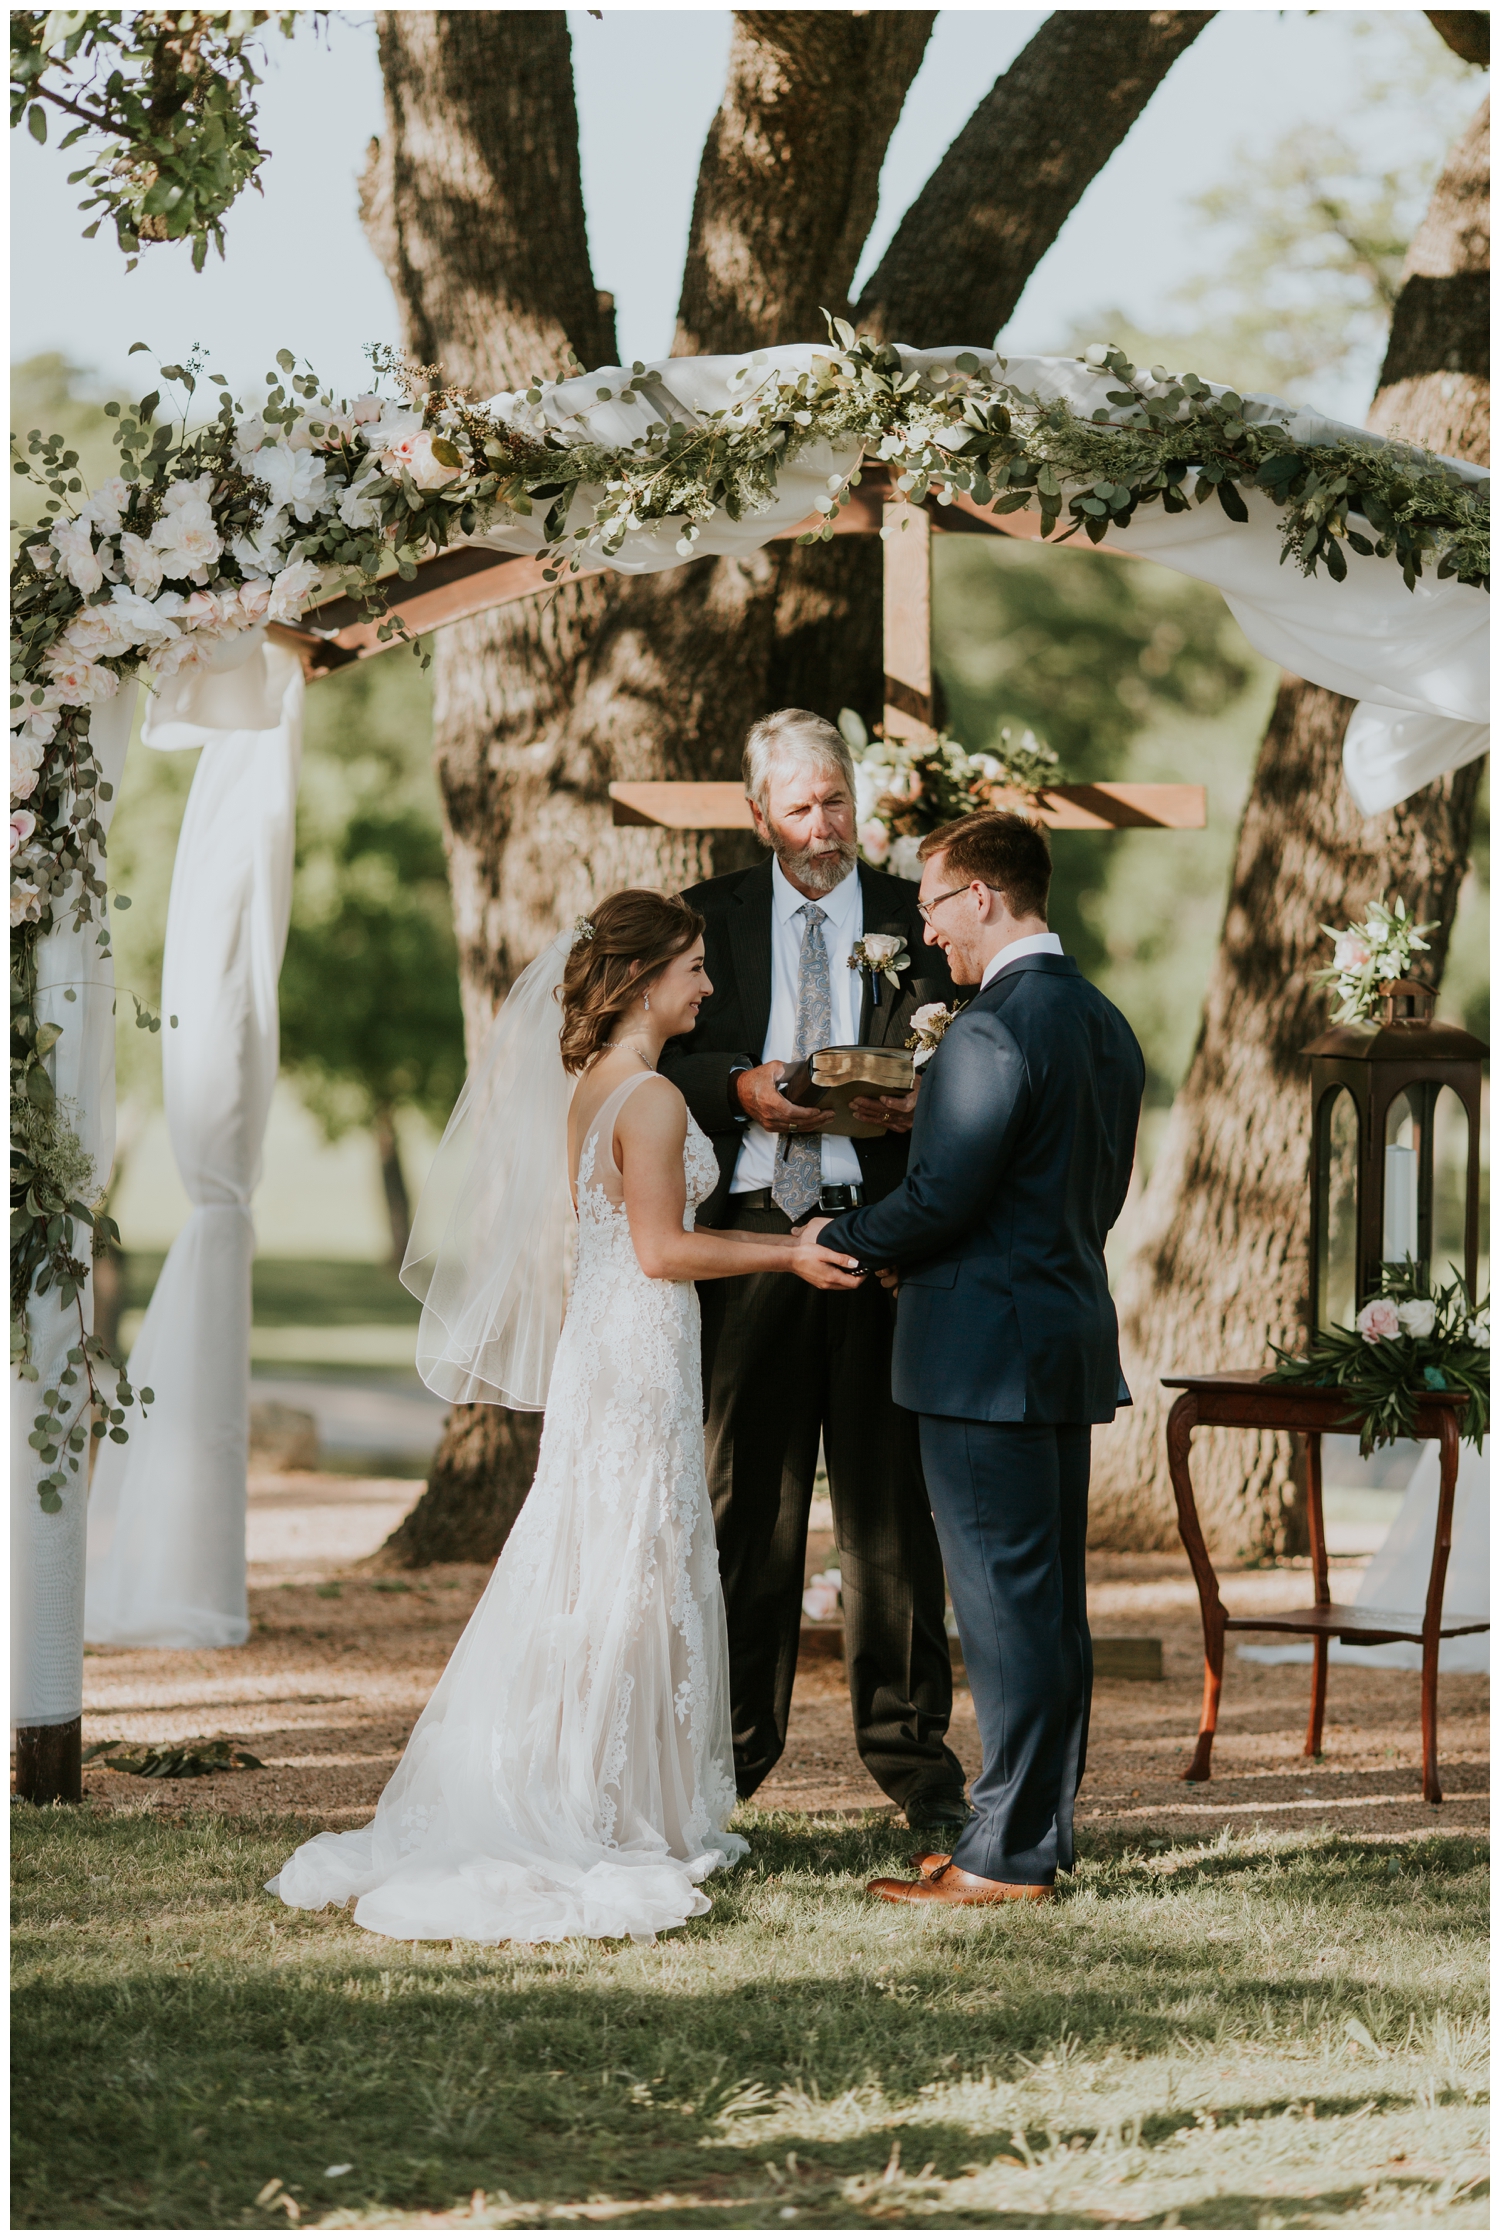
x=1318 y=1542
x=1313 y=1747
x=1180 y=1424
x=1442 y=1542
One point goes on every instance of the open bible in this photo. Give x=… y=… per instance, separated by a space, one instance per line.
x=833 y=1078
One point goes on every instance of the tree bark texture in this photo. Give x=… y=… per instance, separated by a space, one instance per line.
x=1219 y=1245
x=961 y=256
x=811 y=100
x=471 y=200
x=487 y=1462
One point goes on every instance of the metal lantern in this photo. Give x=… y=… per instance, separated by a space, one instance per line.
x=1395 y=1151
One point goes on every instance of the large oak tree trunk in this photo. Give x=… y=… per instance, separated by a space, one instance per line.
x=1219 y=1246
x=472 y=202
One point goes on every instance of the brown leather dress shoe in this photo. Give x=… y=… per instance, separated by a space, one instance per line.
x=952 y=1886
x=929 y=1862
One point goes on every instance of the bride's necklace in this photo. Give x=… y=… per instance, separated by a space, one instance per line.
x=641 y=1050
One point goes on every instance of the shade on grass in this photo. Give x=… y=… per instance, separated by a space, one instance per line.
x=1273 y=2031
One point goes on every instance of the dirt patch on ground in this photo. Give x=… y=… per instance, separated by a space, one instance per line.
x=339 y=1664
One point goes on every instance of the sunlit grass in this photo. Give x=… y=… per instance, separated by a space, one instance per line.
x=1271 y=2032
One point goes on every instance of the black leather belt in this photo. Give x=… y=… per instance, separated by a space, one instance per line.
x=834 y=1197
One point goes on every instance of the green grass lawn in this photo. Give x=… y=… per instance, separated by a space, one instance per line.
x=1280 y=2031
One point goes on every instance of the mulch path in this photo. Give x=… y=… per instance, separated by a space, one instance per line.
x=340 y=1662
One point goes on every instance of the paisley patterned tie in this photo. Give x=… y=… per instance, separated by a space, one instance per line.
x=799 y=1159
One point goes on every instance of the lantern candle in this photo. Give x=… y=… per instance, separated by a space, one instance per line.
x=1399 y=1228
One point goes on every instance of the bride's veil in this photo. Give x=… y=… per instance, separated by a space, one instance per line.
x=489 y=1243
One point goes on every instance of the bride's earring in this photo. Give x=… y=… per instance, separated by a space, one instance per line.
x=646 y=1000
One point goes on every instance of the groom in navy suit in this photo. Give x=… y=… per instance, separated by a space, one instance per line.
x=1006 y=1342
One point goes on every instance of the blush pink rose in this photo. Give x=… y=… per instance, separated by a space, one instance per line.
x=1381 y=1318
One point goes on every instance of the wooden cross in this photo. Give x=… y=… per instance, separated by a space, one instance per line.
x=471 y=581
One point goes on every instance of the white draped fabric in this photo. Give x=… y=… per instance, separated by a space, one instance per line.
x=166 y=1538
x=1417 y=661
x=47 y=1552
x=166 y=1543
x=1396 y=1577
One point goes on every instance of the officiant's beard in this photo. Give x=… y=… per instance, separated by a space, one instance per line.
x=821 y=868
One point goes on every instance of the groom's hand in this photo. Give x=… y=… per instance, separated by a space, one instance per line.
x=759 y=1091
x=896 y=1113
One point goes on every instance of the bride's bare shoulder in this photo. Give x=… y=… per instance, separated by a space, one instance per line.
x=656 y=1103
x=657 y=1112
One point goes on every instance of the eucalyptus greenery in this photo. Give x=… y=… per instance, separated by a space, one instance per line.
x=164 y=99
x=1409 y=1342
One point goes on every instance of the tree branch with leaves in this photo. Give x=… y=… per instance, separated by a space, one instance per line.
x=165 y=99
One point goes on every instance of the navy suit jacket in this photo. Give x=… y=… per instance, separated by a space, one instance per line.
x=1020 y=1160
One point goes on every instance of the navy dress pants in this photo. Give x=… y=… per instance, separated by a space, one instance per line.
x=1010 y=1501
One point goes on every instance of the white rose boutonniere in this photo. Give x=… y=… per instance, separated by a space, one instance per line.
x=929 y=1023
x=881 y=953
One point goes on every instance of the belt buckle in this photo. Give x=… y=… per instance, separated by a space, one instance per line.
x=837 y=1197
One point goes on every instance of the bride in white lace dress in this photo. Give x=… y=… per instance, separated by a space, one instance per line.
x=572 y=1773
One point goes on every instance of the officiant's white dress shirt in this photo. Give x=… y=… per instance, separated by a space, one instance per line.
x=843 y=924
x=1031 y=945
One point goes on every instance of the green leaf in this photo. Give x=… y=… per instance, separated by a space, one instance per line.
x=37 y=121
x=1233 y=504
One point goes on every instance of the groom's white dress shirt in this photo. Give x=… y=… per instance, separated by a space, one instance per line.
x=844 y=922
x=1032 y=945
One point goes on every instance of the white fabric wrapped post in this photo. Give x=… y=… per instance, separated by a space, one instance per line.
x=47 y=1552
x=166 y=1563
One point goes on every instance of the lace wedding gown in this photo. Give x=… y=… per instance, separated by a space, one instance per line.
x=572 y=1773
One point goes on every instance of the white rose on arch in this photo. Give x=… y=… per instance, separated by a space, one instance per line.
x=294 y=477
x=107 y=504
x=25 y=765
x=403 y=444
x=80 y=683
x=185 y=536
x=359 y=506
x=22 y=826
x=73 y=542
x=291 y=590
x=142 y=563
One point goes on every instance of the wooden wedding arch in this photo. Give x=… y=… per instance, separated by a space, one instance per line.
x=472 y=579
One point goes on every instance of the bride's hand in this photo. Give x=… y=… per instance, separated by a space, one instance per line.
x=825 y=1270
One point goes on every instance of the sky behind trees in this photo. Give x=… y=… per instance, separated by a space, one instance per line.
x=299 y=273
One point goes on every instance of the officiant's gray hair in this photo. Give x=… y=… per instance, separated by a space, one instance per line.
x=793 y=739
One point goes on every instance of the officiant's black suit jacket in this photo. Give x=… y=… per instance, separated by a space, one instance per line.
x=1020 y=1160
x=731 y=1029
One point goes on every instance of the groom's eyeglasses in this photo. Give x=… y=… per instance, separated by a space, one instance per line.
x=926 y=908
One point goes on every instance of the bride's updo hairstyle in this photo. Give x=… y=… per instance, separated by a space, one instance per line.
x=621 y=948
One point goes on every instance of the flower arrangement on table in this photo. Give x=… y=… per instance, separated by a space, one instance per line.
x=1408 y=1341
x=1367 y=957
x=906 y=788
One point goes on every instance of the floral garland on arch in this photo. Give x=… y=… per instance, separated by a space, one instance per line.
x=248 y=517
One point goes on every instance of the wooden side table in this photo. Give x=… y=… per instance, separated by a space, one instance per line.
x=1243 y=1400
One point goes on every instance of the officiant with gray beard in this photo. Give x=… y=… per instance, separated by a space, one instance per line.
x=785 y=1367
